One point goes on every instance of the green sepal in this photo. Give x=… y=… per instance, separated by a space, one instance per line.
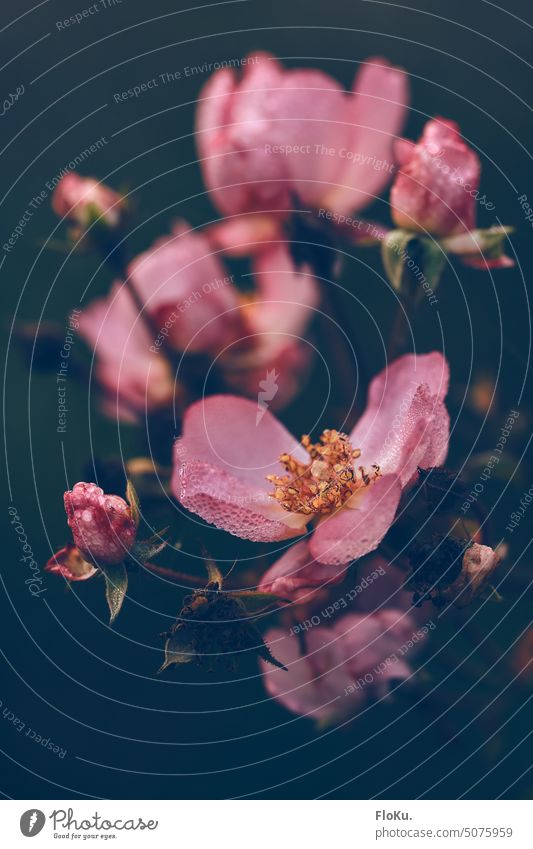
x=133 y=500
x=394 y=255
x=116 y=586
x=146 y=549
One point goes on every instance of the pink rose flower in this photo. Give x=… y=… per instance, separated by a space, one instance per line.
x=188 y=292
x=102 y=525
x=134 y=380
x=276 y=134
x=82 y=199
x=70 y=563
x=342 y=665
x=436 y=187
x=194 y=306
x=247 y=474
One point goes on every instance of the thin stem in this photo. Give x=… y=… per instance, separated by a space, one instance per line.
x=342 y=354
x=399 y=331
x=173 y=575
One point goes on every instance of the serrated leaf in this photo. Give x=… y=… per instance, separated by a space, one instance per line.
x=116 y=585
x=133 y=500
x=264 y=651
x=395 y=256
x=147 y=549
x=178 y=649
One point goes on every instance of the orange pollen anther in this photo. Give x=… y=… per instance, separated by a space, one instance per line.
x=327 y=481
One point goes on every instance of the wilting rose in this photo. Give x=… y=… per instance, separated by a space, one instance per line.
x=83 y=199
x=276 y=136
x=102 y=525
x=451 y=571
x=70 y=563
x=246 y=474
x=479 y=562
x=436 y=188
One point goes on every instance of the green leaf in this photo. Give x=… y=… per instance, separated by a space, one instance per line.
x=116 y=585
x=179 y=648
x=263 y=650
x=133 y=500
x=147 y=549
x=490 y=241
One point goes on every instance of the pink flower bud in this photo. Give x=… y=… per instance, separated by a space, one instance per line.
x=81 y=199
x=70 y=563
x=102 y=525
x=436 y=187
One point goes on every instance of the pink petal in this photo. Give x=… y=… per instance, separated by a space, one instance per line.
x=315 y=682
x=187 y=291
x=232 y=129
x=335 y=668
x=243 y=235
x=370 y=640
x=133 y=377
x=277 y=321
x=287 y=297
x=434 y=191
x=377 y=113
x=359 y=526
x=405 y=423
x=296 y=575
x=221 y=463
x=486 y=263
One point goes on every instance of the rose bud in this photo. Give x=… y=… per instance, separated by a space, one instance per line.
x=70 y=563
x=102 y=525
x=435 y=189
x=84 y=199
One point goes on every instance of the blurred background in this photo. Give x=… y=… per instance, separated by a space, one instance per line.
x=92 y=691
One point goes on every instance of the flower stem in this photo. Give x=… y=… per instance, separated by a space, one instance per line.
x=173 y=575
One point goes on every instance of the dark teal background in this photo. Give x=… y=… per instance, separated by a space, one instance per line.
x=93 y=691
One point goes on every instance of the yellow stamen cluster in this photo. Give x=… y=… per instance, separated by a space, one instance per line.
x=327 y=481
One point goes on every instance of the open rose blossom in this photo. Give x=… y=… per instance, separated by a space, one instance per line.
x=192 y=305
x=253 y=479
x=275 y=135
x=436 y=187
x=102 y=525
x=337 y=666
x=82 y=199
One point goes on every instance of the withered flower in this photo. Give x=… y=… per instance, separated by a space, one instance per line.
x=447 y=570
x=217 y=625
